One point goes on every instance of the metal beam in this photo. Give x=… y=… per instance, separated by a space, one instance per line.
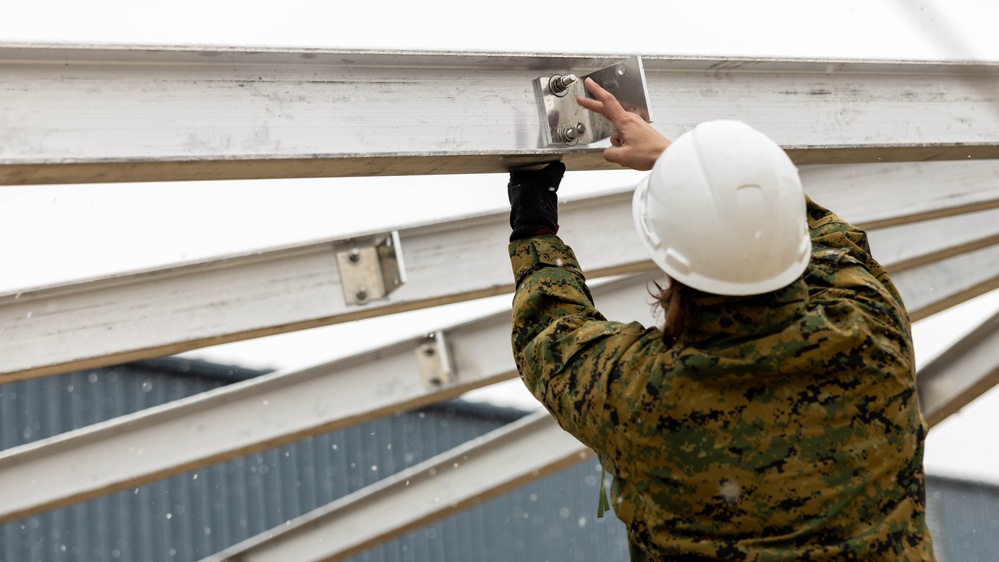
x=170 y=310
x=913 y=245
x=884 y=195
x=503 y=460
x=963 y=372
x=274 y=409
x=196 y=432
x=166 y=311
x=932 y=288
x=89 y=114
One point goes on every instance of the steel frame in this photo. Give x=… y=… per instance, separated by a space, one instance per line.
x=89 y=114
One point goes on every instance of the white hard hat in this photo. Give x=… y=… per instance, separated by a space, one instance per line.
x=723 y=211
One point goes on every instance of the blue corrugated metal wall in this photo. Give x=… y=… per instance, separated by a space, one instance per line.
x=199 y=513
x=967 y=515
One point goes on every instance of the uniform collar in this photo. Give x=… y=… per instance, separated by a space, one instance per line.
x=724 y=318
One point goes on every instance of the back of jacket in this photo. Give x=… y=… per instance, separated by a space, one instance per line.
x=781 y=426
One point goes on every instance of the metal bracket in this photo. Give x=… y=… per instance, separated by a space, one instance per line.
x=565 y=123
x=435 y=361
x=370 y=267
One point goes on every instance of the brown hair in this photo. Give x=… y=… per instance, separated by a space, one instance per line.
x=674 y=300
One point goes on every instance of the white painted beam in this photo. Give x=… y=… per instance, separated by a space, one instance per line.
x=164 y=311
x=503 y=460
x=934 y=287
x=960 y=374
x=883 y=195
x=84 y=114
x=267 y=411
x=912 y=245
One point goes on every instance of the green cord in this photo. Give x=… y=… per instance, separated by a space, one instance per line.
x=602 y=504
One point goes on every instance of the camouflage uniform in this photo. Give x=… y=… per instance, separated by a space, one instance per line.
x=781 y=426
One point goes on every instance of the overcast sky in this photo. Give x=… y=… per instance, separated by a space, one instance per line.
x=53 y=233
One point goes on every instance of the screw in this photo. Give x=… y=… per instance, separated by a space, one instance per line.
x=621 y=70
x=354 y=255
x=559 y=85
x=428 y=350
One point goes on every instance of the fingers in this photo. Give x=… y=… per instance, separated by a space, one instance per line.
x=609 y=107
x=591 y=104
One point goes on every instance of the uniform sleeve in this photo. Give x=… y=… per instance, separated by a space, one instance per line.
x=828 y=230
x=567 y=353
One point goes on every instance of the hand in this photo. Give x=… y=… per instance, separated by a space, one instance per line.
x=635 y=144
x=533 y=200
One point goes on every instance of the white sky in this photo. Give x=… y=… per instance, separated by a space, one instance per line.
x=54 y=233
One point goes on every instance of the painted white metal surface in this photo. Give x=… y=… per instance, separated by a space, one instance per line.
x=931 y=288
x=917 y=244
x=882 y=195
x=165 y=311
x=502 y=460
x=105 y=114
x=961 y=373
x=245 y=417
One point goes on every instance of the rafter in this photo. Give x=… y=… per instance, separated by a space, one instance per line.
x=170 y=310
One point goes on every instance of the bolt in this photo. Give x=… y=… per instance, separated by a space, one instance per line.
x=361 y=294
x=354 y=256
x=572 y=134
x=621 y=70
x=428 y=350
x=559 y=85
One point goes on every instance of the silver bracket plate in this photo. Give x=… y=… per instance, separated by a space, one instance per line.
x=370 y=267
x=435 y=361
x=565 y=123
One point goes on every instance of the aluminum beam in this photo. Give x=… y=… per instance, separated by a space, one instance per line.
x=489 y=466
x=170 y=310
x=267 y=411
x=932 y=288
x=89 y=114
x=883 y=195
x=913 y=245
x=960 y=374
x=166 y=311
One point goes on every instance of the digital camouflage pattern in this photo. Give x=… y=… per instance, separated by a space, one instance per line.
x=781 y=426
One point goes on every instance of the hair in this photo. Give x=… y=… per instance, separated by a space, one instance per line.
x=675 y=301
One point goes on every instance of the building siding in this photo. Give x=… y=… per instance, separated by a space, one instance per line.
x=193 y=515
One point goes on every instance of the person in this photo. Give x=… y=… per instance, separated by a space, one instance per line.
x=774 y=415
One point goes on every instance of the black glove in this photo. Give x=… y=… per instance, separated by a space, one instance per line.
x=533 y=200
